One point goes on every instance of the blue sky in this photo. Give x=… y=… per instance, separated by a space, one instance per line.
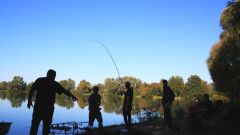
x=149 y=39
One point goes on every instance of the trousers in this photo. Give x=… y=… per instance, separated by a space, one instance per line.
x=41 y=114
x=95 y=114
x=167 y=117
x=127 y=116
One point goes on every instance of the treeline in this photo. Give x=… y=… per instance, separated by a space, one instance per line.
x=194 y=87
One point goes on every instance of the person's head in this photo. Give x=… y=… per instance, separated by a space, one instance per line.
x=127 y=84
x=165 y=82
x=206 y=97
x=95 y=89
x=51 y=74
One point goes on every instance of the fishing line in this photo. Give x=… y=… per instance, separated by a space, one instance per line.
x=111 y=58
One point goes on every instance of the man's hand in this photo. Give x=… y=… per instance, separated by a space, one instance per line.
x=74 y=98
x=29 y=104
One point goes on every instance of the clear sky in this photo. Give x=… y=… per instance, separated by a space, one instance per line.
x=149 y=39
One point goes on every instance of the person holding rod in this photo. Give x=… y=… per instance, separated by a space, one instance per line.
x=127 y=105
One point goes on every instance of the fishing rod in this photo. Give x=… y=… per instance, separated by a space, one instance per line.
x=113 y=62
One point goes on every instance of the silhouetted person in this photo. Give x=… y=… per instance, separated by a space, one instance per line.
x=206 y=108
x=168 y=97
x=46 y=89
x=94 y=101
x=127 y=105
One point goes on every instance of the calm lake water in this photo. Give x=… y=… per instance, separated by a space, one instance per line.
x=14 y=109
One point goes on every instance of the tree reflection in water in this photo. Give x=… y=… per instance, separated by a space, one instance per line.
x=64 y=101
x=82 y=101
x=109 y=103
x=16 y=98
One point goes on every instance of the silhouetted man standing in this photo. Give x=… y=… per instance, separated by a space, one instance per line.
x=127 y=105
x=46 y=89
x=94 y=101
x=168 y=97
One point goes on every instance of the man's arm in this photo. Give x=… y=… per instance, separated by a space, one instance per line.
x=30 y=98
x=61 y=90
x=68 y=93
x=99 y=100
x=30 y=94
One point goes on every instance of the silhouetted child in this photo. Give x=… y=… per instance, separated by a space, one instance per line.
x=127 y=105
x=94 y=101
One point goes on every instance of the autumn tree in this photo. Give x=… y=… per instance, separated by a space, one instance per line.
x=224 y=60
x=193 y=86
x=161 y=85
x=144 y=89
x=176 y=84
x=82 y=87
x=205 y=87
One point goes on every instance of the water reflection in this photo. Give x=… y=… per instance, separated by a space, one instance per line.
x=82 y=101
x=16 y=98
x=64 y=101
x=110 y=103
x=66 y=110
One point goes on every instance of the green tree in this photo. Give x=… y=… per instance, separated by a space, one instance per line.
x=111 y=86
x=135 y=83
x=176 y=84
x=3 y=85
x=3 y=95
x=224 y=61
x=193 y=86
x=101 y=88
x=29 y=85
x=17 y=84
x=68 y=84
x=211 y=88
x=155 y=89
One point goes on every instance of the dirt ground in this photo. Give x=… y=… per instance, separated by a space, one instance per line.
x=156 y=129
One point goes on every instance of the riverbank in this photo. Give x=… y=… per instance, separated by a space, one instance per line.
x=155 y=128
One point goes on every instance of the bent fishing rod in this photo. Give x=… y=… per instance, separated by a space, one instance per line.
x=112 y=60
